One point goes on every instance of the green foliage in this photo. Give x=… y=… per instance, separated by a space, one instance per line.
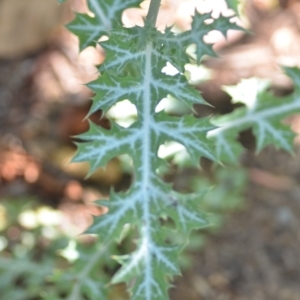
x=48 y=264
x=233 y=4
x=263 y=113
x=132 y=71
x=107 y=16
x=149 y=198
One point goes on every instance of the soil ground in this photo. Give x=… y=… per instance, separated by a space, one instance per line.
x=255 y=256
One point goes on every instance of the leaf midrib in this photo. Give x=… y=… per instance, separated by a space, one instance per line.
x=256 y=117
x=146 y=168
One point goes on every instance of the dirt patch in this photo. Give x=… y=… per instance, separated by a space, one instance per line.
x=256 y=254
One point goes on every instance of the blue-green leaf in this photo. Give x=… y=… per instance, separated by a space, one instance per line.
x=107 y=13
x=263 y=113
x=132 y=70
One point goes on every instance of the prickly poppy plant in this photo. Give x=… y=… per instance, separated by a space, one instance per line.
x=132 y=70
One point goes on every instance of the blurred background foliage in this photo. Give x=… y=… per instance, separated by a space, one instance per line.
x=251 y=249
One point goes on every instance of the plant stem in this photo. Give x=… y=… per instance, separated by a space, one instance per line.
x=153 y=12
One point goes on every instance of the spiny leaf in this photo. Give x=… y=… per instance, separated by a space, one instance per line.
x=150 y=264
x=185 y=212
x=106 y=14
x=246 y=91
x=100 y=145
x=187 y=132
x=111 y=89
x=264 y=114
x=132 y=70
x=175 y=45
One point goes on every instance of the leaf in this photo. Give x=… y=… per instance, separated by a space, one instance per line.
x=92 y=289
x=149 y=264
x=185 y=212
x=263 y=113
x=188 y=132
x=101 y=145
x=132 y=70
x=107 y=13
x=110 y=89
x=86 y=273
x=33 y=276
x=176 y=44
x=233 y=4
